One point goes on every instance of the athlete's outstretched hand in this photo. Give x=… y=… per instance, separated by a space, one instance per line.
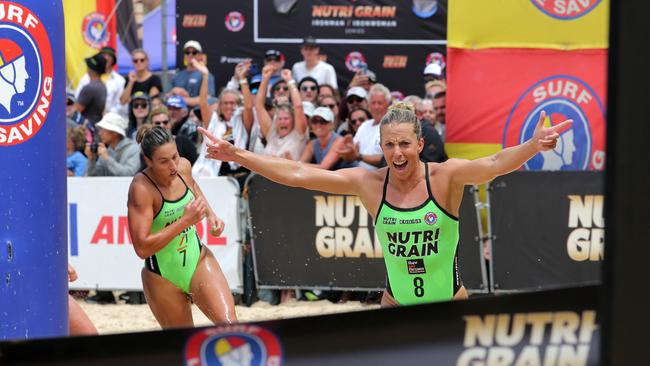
x=218 y=149
x=546 y=138
x=195 y=210
x=216 y=225
x=72 y=274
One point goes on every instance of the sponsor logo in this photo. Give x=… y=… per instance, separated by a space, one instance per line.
x=413 y=243
x=566 y=9
x=94 y=30
x=232 y=60
x=235 y=21
x=355 y=61
x=430 y=218
x=194 y=20
x=436 y=57
x=580 y=147
x=395 y=61
x=416 y=266
x=390 y=221
x=241 y=345
x=26 y=74
x=542 y=338
x=410 y=221
x=586 y=240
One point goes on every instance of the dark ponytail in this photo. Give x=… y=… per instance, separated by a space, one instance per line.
x=150 y=138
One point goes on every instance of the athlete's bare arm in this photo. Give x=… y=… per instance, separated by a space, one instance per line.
x=483 y=170
x=216 y=225
x=140 y=213
x=292 y=173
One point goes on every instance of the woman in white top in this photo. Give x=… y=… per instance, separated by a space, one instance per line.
x=230 y=122
x=286 y=132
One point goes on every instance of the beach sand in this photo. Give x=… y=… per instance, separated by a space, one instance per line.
x=123 y=318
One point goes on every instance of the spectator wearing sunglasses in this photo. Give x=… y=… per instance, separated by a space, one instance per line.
x=332 y=103
x=322 y=150
x=308 y=88
x=187 y=83
x=140 y=78
x=113 y=80
x=185 y=146
x=356 y=97
x=139 y=111
x=357 y=117
x=313 y=66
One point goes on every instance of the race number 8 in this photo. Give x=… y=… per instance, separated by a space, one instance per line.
x=418 y=282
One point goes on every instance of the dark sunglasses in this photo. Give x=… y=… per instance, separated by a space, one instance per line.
x=273 y=58
x=319 y=121
x=330 y=106
x=278 y=88
x=140 y=105
x=138 y=60
x=193 y=53
x=161 y=123
x=355 y=99
x=307 y=88
x=358 y=120
x=69 y=103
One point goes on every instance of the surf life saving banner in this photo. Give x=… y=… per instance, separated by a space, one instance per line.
x=100 y=245
x=552 y=57
x=89 y=26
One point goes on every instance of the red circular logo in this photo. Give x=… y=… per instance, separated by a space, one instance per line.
x=235 y=21
x=566 y=9
x=26 y=75
x=94 y=30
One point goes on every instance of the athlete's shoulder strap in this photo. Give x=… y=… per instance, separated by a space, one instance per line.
x=426 y=176
x=154 y=184
x=183 y=180
x=383 y=197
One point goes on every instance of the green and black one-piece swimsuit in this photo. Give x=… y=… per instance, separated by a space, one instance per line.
x=420 y=249
x=177 y=261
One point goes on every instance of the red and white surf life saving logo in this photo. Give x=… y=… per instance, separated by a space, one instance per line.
x=566 y=9
x=26 y=74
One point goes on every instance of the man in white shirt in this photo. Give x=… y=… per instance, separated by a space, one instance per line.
x=312 y=65
x=366 y=146
x=114 y=83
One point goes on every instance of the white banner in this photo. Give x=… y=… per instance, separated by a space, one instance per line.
x=100 y=246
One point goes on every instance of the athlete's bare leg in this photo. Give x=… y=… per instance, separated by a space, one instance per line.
x=79 y=323
x=211 y=292
x=169 y=304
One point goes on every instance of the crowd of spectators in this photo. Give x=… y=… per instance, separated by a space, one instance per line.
x=299 y=113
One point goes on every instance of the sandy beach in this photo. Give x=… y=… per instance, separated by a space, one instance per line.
x=123 y=318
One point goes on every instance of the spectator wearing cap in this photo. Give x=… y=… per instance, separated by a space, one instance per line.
x=182 y=125
x=434 y=87
x=355 y=97
x=309 y=89
x=331 y=102
x=322 y=150
x=433 y=71
x=116 y=155
x=74 y=117
x=286 y=131
x=91 y=97
x=139 y=111
x=187 y=83
x=313 y=66
x=365 y=147
x=186 y=148
x=230 y=122
x=113 y=80
x=140 y=78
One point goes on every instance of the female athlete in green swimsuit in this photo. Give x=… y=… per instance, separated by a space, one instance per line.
x=415 y=205
x=164 y=205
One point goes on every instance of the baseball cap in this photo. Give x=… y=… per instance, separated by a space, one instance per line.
x=308 y=109
x=97 y=63
x=176 y=101
x=358 y=92
x=309 y=41
x=113 y=122
x=140 y=95
x=274 y=54
x=109 y=51
x=433 y=69
x=193 y=44
x=70 y=97
x=324 y=113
